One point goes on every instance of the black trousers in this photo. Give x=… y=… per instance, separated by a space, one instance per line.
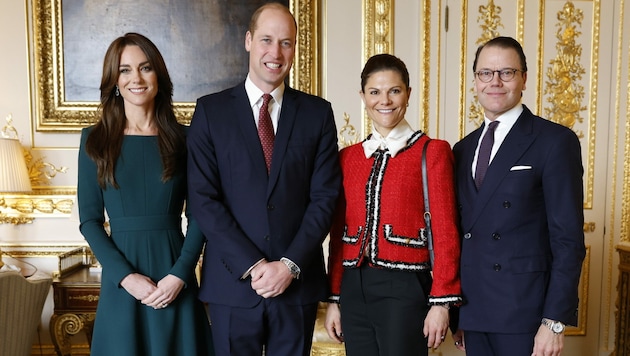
x=383 y=311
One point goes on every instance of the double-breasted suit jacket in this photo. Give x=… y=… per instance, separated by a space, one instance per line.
x=247 y=214
x=523 y=241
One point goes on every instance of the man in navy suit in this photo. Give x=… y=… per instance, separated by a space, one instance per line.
x=263 y=269
x=522 y=222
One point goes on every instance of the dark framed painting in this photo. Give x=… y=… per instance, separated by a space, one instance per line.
x=202 y=42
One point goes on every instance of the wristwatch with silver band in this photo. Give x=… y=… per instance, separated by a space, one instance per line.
x=555 y=326
x=293 y=268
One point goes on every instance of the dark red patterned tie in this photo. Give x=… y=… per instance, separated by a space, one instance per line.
x=265 y=130
x=483 y=158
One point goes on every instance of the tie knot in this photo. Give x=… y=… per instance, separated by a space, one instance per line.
x=493 y=125
x=266 y=99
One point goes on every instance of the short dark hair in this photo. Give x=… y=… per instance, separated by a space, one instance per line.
x=503 y=42
x=381 y=62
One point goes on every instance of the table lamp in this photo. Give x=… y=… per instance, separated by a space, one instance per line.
x=14 y=176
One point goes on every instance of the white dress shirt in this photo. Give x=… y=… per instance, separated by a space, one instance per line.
x=255 y=101
x=506 y=121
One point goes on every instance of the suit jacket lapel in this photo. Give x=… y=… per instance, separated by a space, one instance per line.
x=469 y=154
x=288 y=116
x=245 y=118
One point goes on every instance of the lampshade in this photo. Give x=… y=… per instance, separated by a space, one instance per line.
x=13 y=173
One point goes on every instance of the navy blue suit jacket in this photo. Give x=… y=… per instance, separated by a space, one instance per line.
x=523 y=240
x=246 y=214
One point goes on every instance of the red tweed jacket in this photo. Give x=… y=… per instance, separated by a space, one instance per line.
x=380 y=221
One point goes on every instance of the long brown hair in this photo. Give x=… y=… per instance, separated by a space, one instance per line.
x=105 y=141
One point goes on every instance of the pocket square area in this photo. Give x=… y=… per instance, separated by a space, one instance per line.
x=520 y=168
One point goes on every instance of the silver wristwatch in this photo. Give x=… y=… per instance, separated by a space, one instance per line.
x=555 y=326
x=293 y=268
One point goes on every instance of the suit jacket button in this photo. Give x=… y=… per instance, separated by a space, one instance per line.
x=507 y=204
x=270 y=207
x=496 y=236
x=467 y=235
x=267 y=237
x=497 y=267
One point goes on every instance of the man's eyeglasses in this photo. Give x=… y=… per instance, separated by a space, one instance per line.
x=505 y=75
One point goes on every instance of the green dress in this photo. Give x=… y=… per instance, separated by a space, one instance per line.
x=146 y=237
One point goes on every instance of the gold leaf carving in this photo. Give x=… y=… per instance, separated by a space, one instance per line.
x=489 y=21
x=348 y=135
x=565 y=71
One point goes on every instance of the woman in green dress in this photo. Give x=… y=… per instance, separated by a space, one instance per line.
x=132 y=173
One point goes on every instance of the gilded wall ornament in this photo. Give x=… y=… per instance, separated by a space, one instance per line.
x=564 y=73
x=489 y=21
x=348 y=135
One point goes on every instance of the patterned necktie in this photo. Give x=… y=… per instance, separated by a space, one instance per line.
x=483 y=158
x=265 y=130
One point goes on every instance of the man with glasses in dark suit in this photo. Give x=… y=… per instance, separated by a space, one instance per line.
x=520 y=193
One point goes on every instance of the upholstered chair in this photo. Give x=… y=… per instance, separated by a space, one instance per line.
x=21 y=303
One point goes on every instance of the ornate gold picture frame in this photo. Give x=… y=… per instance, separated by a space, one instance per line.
x=56 y=106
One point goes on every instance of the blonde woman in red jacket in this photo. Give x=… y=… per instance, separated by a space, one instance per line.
x=385 y=300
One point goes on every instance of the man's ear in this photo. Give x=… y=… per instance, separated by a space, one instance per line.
x=248 y=41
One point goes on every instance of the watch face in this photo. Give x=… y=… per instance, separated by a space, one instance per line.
x=557 y=328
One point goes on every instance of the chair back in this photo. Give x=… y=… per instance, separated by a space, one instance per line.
x=21 y=304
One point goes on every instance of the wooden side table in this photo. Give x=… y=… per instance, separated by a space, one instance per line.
x=75 y=296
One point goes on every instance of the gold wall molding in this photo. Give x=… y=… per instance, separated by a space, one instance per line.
x=580 y=329
x=625 y=194
x=462 y=70
x=378 y=34
x=305 y=73
x=425 y=69
x=32 y=250
x=24 y=208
